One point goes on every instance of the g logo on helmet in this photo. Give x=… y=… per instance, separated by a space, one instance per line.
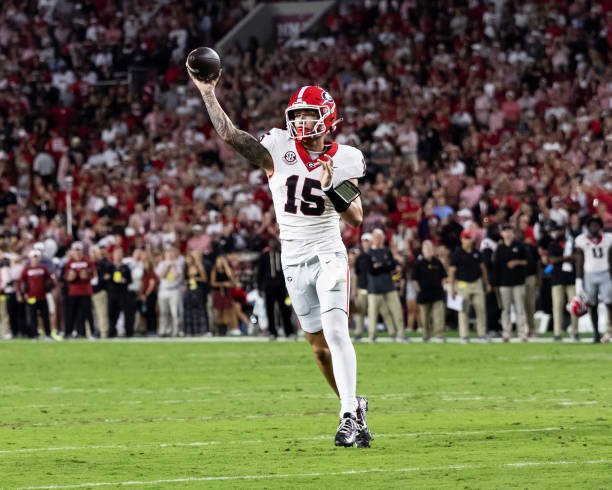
x=290 y=158
x=325 y=96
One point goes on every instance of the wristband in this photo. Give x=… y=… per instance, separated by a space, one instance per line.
x=342 y=195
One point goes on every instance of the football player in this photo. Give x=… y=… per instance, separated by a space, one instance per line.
x=593 y=270
x=313 y=185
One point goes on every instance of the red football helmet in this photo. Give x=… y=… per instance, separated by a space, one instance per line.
x=578 y=306
x=315 y=98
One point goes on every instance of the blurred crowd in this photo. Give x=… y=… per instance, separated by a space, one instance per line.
x=471 y=114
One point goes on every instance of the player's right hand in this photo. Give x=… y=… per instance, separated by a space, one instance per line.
x=327 y=174
x=579 y=287
x=206 y=86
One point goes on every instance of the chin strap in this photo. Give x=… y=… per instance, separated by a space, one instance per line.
x=335 y=123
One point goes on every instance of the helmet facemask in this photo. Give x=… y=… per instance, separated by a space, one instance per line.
x=298 y=128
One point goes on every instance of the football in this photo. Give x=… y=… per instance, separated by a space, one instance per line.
x=204 y=63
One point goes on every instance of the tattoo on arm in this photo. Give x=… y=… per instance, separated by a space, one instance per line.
x=241 y=141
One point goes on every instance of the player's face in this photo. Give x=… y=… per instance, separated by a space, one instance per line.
x=305 y=120
x=594 y=228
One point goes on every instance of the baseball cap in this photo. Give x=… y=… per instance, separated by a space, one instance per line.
x=34 y=253
x=76 y=246
x=466 y=234
x=366 y=236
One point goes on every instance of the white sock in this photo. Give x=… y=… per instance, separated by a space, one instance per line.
x=335 y=329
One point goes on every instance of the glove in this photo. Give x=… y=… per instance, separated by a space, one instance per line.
x=579 y=287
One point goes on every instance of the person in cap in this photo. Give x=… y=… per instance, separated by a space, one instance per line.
x=47 y=250
x=32 y=287
x=593 y=270
x=510 y=261
x=468 y=278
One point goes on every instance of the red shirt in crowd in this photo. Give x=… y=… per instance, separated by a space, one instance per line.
x=34 y=278
x=79 y=284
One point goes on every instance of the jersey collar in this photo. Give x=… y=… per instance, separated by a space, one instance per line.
x=309 y=163
x=595 y=239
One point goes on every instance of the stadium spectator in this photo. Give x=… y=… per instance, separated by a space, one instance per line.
x=271 y=283
x=170 y=271
x=78 y=273
x=563 y=278
x=468 y=278
x=31 y=289
x=118 y=294
x=383 y=297
x=429 y=274
x=360 y=284
x=222 y=281
x=532 y=273
x=100 y=289
x=195 y=320
x=148 y=296
x=510 y=262
x=11 y=271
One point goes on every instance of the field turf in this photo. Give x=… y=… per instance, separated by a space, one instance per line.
x=165 y=415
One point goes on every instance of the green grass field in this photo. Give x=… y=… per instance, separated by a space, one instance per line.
x=258 y=415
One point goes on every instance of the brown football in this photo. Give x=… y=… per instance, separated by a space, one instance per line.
x=204 y=63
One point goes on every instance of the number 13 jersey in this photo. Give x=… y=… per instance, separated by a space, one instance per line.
x=309 y=224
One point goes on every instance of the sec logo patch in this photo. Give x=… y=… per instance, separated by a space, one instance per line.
x=290 y=158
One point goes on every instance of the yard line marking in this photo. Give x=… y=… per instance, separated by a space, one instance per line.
x=574 y=403
x=443 y=395
x=264 y=441
x=458 y=467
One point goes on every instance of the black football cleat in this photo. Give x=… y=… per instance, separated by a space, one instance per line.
x=363 y=433
x=347 y=431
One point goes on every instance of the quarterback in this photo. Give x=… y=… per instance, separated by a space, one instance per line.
x=313 y=185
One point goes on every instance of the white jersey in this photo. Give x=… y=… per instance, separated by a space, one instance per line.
x=309 y=224
x=595 y=251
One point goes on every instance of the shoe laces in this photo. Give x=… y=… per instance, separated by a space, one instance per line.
x=347 y=425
